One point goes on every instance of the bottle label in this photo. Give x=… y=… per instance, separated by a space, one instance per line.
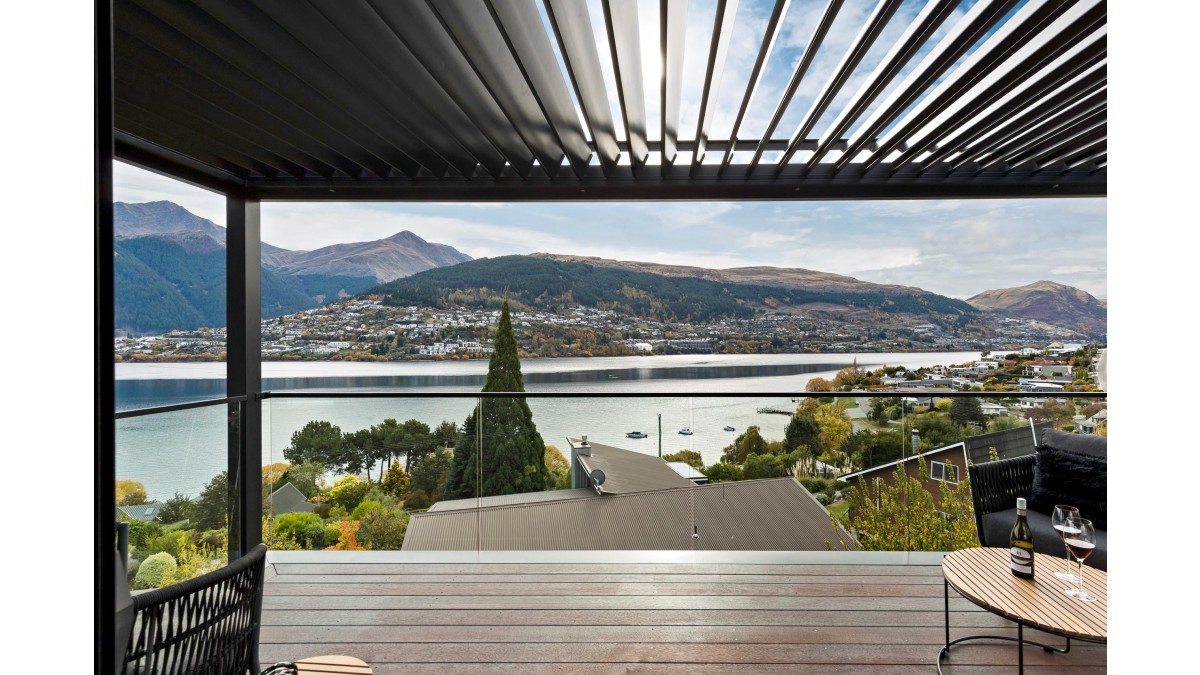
x=1022 y=560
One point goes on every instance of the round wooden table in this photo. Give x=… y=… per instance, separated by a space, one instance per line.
x=982 y=575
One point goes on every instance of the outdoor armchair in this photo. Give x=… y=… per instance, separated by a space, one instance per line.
x=995 y=487
x=209 y=624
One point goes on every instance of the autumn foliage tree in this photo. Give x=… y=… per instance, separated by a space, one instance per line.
x=902 y=515
x=130 y=493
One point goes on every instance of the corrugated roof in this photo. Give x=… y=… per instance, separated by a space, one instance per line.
x=506 y=500
x=627 y=471
x=758 y=515
x=142 y=512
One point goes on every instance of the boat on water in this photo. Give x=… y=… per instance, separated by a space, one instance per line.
x=728 y=428
x=686 y=431
x=635 y=434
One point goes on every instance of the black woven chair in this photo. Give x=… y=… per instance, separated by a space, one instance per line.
x=206 y=625
x=996 y=485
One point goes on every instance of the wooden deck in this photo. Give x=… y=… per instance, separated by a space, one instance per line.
x=532 y=618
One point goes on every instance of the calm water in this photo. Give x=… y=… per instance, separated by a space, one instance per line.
x=181 y=451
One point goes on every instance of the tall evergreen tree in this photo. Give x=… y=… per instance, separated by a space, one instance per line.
x=964 y=410
x=513 y=452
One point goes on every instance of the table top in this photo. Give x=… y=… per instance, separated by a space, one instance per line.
x=332 y=665
x=983 y=576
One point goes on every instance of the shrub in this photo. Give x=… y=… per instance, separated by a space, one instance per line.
x=376 y=494
x=383 y=529
x=333 y=531
x=132 y=568
x=213 y=539
x=723 y=473
x=155 y=572
x=141 y=533
x=167 y=542
x=763 y=466
x=367 y=506
x=822 y=498
x=313 y=535
x=690 y=456
x=395 y=482
x=306 y=529
x=348 y=491
x=417 y=499
x=323 y=509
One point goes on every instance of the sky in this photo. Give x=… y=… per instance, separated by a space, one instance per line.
x=954 y=247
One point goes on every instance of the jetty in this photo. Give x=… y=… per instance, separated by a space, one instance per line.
x=776 y=411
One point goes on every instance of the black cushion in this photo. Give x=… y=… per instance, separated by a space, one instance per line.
x=997 y=527
x=1061 y=476
x=1081 y=444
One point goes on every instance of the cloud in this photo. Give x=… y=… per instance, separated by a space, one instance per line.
x=775 y=239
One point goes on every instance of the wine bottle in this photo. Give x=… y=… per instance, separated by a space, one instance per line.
x=1021 y=542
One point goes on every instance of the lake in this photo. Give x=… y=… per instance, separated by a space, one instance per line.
x=180 y=451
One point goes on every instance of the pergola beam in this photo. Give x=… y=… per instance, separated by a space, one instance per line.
x=672 y=33
x=573 y=30
x=621 y=20
x=718 y=51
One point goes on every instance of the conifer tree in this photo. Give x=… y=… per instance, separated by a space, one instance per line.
x=514 y=454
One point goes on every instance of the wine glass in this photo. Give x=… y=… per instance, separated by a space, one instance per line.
x=1081 y=545
x=1061 y=515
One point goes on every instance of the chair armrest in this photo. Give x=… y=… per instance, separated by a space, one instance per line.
x=995 y=486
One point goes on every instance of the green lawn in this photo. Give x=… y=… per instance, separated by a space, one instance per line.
x=839 y=510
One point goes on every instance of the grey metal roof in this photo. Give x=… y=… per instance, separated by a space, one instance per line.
x=763 y=515
x=289 y=499
x=142 y=512
x=519 y=498
x=485 y=99
x=1015 y=442
x=629 y=471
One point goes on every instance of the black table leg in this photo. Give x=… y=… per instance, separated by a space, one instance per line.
x=1021 y=648
x=946 y=610
x=1020 y=639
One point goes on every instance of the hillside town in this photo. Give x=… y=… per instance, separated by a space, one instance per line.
x=365 y=329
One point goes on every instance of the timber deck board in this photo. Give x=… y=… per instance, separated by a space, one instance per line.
x=661 y=618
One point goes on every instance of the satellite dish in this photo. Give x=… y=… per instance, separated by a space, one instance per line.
x=597 y=476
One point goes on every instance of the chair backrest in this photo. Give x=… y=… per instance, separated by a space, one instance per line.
x=209 y=624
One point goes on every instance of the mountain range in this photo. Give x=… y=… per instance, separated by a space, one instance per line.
x=1048 y=302
x=170 y=269
x=170 y=274
x=554 y=283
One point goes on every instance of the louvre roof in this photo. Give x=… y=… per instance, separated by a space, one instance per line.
x=556 y=99
x=754 y=515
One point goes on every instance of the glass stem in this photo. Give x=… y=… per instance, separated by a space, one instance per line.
x=1081 y=596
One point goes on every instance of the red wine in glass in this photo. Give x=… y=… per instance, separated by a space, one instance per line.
x=1079 y=548
x=1080 y=543
x=1061 y=522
